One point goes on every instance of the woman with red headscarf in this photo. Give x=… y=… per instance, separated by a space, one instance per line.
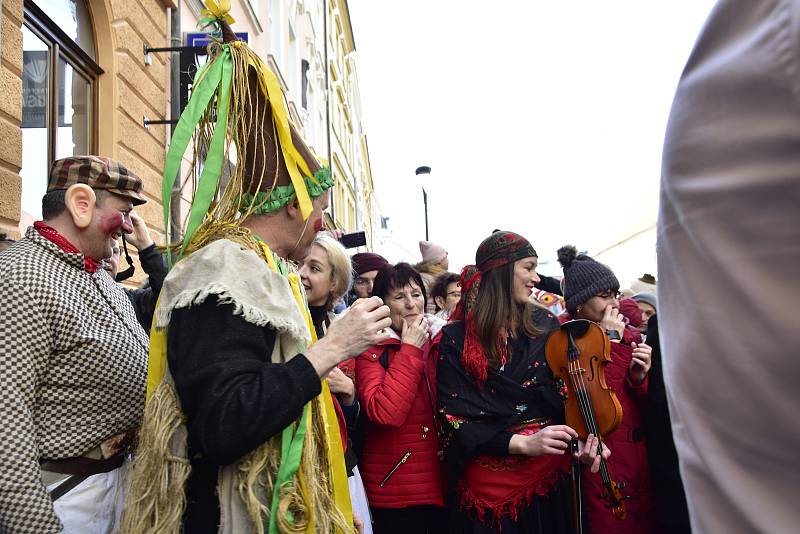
x=506 y=453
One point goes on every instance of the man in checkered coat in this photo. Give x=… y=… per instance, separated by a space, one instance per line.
x=73 y=358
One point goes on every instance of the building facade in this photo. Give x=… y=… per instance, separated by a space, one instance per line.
x=354 y=203
x=74 y=80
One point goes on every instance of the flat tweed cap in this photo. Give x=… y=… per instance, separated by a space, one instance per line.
x=98 y=173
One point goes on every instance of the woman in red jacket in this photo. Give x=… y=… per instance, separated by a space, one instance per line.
x=591 y=292
x=396 y=382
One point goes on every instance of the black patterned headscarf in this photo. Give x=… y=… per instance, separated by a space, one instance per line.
x=500 y=248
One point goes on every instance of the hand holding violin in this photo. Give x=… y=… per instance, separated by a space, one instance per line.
x=588 y=452
x=640 y=362
x=555 y=439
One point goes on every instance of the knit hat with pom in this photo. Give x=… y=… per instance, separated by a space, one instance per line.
x=431 y=252
x=583 y=277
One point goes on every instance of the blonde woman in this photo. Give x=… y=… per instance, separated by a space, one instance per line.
x=327 y=274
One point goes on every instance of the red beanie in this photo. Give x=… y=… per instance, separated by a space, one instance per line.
x=364 y=262
x=630 y=309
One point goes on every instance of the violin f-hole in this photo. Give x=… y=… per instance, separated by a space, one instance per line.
x=594 y=361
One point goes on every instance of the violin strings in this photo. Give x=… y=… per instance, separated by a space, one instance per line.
x=596 y=431
x=587 y=409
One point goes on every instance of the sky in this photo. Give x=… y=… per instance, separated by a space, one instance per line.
x=545 y=118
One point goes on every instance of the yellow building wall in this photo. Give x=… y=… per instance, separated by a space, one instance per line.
x=128 y=91
x=10 y=115
x=340 y=43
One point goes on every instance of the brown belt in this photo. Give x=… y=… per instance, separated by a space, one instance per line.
x=82 y=466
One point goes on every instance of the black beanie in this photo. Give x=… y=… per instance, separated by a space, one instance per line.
x=583 y=277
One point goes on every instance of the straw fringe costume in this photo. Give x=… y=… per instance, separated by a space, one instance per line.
x=239 y=434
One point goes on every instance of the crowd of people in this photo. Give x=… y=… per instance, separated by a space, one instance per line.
x=264 y=380
x=450 y=419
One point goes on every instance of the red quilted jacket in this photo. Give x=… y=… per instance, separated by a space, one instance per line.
x=399 y=411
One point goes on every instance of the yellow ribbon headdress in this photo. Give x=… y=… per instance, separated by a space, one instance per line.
x=216 y=11
x=228 y=109
x=237 y=103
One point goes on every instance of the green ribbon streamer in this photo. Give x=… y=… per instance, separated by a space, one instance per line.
x=212 y=168
x=207 y=81
x=291 y=452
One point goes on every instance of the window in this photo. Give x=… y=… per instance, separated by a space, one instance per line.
x=304 y=83
x=59 y=102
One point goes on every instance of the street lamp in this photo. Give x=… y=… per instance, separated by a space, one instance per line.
x=424 y=170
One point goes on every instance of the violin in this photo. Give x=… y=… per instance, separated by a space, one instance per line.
x=578 y=353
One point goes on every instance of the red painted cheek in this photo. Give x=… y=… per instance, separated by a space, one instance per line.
x=114 y=223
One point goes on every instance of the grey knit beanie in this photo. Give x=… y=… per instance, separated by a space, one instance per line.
x=583 y=277
x=647 y=298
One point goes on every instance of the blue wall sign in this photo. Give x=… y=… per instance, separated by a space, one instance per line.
x=202 y=38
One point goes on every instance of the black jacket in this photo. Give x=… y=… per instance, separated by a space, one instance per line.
x=144 y=299
x=549 y=284
x=233 y=396
x=670 y=499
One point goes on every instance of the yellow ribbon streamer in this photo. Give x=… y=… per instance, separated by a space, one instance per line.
x=271 y=87
x=219 y=10
x=157 y=359
x=338 y=475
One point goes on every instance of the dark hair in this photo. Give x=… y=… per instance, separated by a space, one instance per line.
x=54 y=202
x=5 y=242
x=395 y=277
x=495 y=309
x=439 y=287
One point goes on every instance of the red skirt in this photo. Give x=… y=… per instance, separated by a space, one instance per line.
x=503 y=485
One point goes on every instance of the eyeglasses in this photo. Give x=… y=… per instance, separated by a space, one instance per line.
x=609 y=295
x=456 y=294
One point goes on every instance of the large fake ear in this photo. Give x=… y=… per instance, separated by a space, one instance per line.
x=80 y=200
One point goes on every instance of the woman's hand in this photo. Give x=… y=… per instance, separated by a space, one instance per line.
x=553 y=439
x=140 y=238
x=640 y=362
x=613 y=320
x=415 y=333
x=359 y=524
x=587 y=453
x=343 y=386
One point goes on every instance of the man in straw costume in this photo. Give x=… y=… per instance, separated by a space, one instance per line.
x=240 y=434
